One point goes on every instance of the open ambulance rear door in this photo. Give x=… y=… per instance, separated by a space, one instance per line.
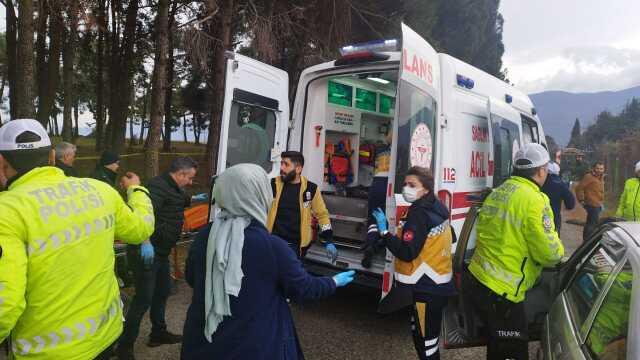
x=255 y=114
x=414 y=139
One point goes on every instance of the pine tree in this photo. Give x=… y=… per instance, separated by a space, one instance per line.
x=576 y=135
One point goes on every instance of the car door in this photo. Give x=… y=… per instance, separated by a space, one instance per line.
x=590 y=318
x=255 y=114
x=461 y=325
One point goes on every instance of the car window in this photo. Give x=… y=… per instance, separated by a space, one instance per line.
x=608 y=335
x=251 y=135
x=588 y=283
x=471 y=242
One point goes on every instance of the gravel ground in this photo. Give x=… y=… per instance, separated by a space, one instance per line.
x=345 y=326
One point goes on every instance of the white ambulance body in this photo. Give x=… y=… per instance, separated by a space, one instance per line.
x=444 y=114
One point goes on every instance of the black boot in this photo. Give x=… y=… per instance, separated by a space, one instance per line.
x=124 y=352
x=163 y=338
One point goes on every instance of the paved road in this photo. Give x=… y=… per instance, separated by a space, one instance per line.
x=345 y=326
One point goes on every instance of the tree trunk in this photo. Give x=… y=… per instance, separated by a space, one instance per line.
x=12 y=28
x=123 y=76
x=99 y=115
x=4 y=81
x=41 y=50
x=224 y=34
x=196 y=129
x=68 y=57
x=168 y=115
x=158 y=90
x=46 y=103
x=24 y=73
x=143 y=119
x=184 y=127
x=76 y=113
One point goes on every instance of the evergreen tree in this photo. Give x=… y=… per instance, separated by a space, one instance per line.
x=576 y=135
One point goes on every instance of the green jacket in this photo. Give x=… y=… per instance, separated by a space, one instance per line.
x=59 y=297
x=612 y=319
x=516 y=239
x=629 y=204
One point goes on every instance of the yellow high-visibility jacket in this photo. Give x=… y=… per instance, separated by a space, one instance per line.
x=311 y=204
x=629 y=204
x=516 y=239
x=59 y=297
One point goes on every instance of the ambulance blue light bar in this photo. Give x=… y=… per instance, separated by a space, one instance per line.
x=377 y=45
x=465 y=82
x=508 y=98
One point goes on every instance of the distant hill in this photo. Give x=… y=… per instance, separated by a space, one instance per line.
x=558 y=110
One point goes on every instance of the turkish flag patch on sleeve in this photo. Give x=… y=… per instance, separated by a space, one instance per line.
x=407 y=236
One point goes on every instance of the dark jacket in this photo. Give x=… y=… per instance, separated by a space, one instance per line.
x=261 y=327
x=558 y=191
x=169 y=202
x=105 y=175
x=424 y=214
x=68 y=170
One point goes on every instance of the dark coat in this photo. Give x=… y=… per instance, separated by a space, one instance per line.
x=68 y=170
x=558 y=191
x=261 y=327
x=169 y=202
x=105 y=175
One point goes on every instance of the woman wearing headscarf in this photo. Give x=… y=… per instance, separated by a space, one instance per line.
x=242 y=277
x=423 y=268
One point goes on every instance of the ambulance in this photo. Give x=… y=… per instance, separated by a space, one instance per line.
x=443 y=114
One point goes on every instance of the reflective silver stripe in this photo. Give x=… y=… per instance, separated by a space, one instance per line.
x=66 y=334
x=325 y=227
x=424 y=269
x=431 y=342
x=431 y=351
x=74 y=233
x=148 y=219
x=499 y=273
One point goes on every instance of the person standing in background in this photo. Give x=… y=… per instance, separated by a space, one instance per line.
x=65 y=157
x=558 y=192
x=590 y=193
x=107 y=168
x=629 y=204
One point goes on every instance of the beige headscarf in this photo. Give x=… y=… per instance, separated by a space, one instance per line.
x=243 y=193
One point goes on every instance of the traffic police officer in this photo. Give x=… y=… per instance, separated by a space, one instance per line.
x=516 y=239
x=629 y=204
x=59 y=297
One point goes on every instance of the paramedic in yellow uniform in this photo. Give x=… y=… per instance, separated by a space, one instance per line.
x=59 y=297
x=422 y=247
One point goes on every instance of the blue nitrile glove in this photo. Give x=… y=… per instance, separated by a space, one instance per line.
x=146 y=252
x=344 y=278
x=381 y=219
x=199 y=197
x=332 y=252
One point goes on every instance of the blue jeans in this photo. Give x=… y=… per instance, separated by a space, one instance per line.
x=593 y=215
x=153 y=284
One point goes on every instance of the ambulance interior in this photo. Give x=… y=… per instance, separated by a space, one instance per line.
x=351 y=116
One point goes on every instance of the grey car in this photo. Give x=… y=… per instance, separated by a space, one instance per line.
x=584 y=308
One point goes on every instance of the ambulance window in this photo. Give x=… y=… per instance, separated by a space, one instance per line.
x=416 y=135
x=506 y=141
x=251 y=134
x=529 y=130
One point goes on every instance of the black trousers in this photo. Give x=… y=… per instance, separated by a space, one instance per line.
x=153 y=285
x=106 y=354
x=506 y=322
x=426 y=322
x=593 y=216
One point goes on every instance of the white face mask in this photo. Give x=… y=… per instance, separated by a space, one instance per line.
x=410 y=194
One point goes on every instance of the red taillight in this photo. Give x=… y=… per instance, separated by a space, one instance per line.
x=386 y=281
x=447 y=200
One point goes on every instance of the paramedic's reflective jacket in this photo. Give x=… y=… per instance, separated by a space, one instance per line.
x=516 y=239
x=59 y=297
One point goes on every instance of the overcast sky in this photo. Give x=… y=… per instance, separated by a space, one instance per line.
x=572 y=45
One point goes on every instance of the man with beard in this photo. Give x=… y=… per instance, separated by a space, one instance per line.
x=296 y=200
